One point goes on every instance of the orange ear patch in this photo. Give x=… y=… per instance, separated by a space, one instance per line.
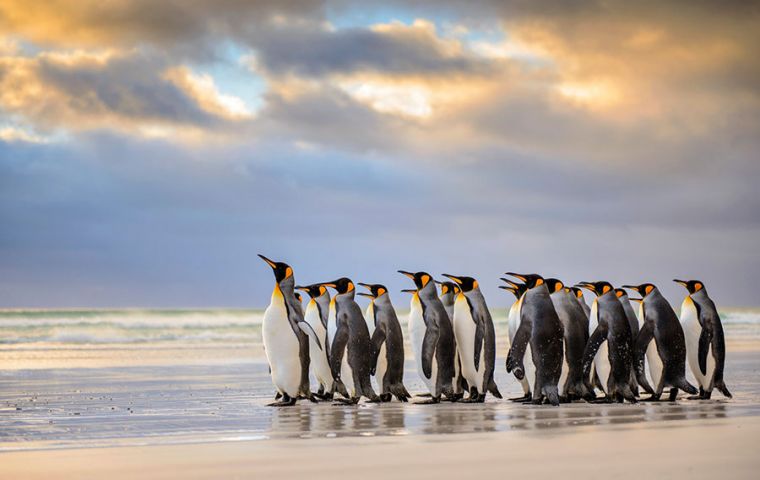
x=425 y=279
x=698 y=286
x=605 y=289
x=540 y=281
x=618 y=293
x=288 y=272
x=350 y=286
x=648 y=289
x=475 y=284
x=322 y=290
x=380 y=291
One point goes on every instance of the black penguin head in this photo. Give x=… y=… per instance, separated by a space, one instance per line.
x=599 y=288
x=531 y=279
x=466 y=284
x=554 y=284
x=281 y=270
x=621 y=293
x=644 y=289
x=421 y=279
x=577 y=292
x=375 y=290
x=298 y=296
x=315 y=290
x=448 y=287
x=693 y=286
x=341 y=285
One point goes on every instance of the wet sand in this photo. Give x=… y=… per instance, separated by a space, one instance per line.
x=211 y=420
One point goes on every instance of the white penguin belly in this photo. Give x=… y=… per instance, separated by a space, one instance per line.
x=347 y=375
x=281 y=346
x=692 y=331
x=318 y=357
x=332 y=324
x=382 y=367
x=464 y=331
x=602 y=357
x=417 y=335
x=513 y=323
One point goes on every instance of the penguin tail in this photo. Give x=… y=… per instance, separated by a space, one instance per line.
x=684 y=385
x=551 y=392
x=722 y=388
x=494 y=389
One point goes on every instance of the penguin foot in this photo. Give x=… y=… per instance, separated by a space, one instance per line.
x=313 y=398
x=286 y=401
x=652 y=398
x=386 y=397
x=604 y=399
x=455 y=397
x=340 y=402
x=695 y=397
x=374 y=399
x=432 y=401
x=424 y=395
x=526 y=397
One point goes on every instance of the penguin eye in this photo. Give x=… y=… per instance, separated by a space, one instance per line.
x=648 y=289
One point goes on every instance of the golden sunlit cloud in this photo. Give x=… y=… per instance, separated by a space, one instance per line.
x=592 y=95
x=203 y=89
x=389 y=97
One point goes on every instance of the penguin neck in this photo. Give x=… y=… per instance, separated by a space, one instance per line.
x=287 y=286
x=381 y=301
x=427 y=293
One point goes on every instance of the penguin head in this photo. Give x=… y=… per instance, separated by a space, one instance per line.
x=466 y=284
x=531 y=279
x=421 y=279
x=282 y=271
x=516 y=288
x=577 y=291
x=342 y=285
x=298 y=297
x=315 y=290
x=375 y=290
x=554 y=284
x=599 y=288
x=621 y=293
x=448 y=288
x=644 y=289
x=693 y=286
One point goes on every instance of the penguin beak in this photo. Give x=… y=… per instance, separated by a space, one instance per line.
x=683 y=283
x=368 y=295
x=630 y=287
x=508 y=288
x=636 y=299
x=270 y=262
x=365 y=285
x=516 y=275
x=408 y=274
x=409 y=290
x=329 y=284
x=587 y=285
x=510 y=282
x=303 y=289
x=452 y=277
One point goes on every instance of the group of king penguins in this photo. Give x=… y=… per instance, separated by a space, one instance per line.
x=561 y=350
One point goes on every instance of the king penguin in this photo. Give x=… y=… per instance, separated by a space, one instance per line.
x=387 y=344
x=316 y=316
x=449 y=292
x=575 y=323
x=633 y=322
x=661 y=325
x=705 y=343
x=475 y=339
x=610 y=329
x=578 y=292
x=350 y=351
x=513 y=323
x=432 y=338
x=285 y=342
x=542 y=329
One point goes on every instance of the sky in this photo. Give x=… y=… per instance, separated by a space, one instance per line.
x=149 y=150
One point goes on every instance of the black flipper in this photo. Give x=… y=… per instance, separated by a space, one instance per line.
x=517 y=350
x=338 y=349
x=594 y=342
x=429 y=343
x=705 y=338
x=646 y=334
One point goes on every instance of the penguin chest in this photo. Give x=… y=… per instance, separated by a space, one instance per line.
x=692 y=331
x=332 y=324
x=464 y=331
x=318 y=356
x=602 y=358
x=281 y=345
x=347 y=374
x=369 y=318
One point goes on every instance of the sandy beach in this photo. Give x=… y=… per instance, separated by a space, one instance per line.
x=163 y=414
